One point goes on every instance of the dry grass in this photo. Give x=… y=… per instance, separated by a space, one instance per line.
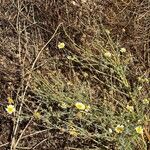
x=42 y=78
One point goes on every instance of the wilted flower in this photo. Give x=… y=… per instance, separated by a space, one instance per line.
x=139 y=79
x=10 y=100
x=143 y=80
x=107 y=31
x=146 y=80
x=110 y=130
x=122 y=50
x=83 y=1
x=37 y=115
x=130 y=108
x=10 y=109
x=145 y=101
x=64 y=105
x=69 y=57
x=87 y=108
x=61 y=45
x=139 y=121
x=79 y=115
x=139 y=88
x=139 y=129
x=80 y=106
x=85 y=74
x=123 y=30
x=107 y=54
x=73 y=132
x=69 y=83
x=74 y=3
x=119 y=128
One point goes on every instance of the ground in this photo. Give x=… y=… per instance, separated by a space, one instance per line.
x=74 y=74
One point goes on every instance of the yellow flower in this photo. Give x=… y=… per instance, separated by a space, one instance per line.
x=80 y=106
x=130 y=108
x=10 y=109
x=122 y=50
x=61 y=45
x=10 y=100
x=37 y=115
x=119 y=128
x=139 y=129
x=107 y=54
x=145 y=101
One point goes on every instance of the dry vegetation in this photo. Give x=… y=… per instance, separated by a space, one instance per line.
x=92 y=93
